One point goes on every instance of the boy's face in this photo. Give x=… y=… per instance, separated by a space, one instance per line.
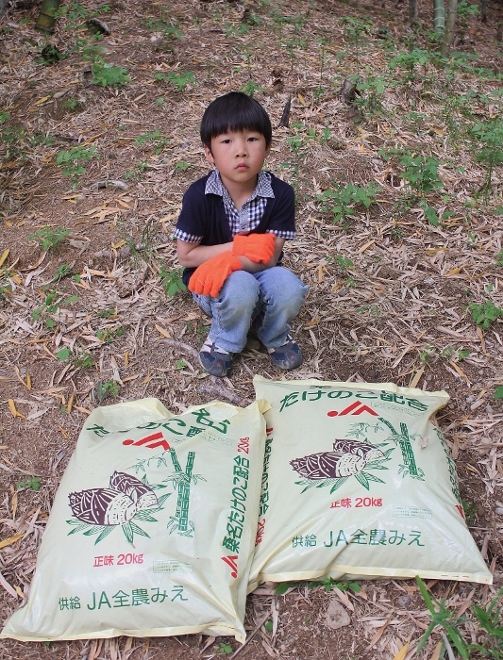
x=238 y=156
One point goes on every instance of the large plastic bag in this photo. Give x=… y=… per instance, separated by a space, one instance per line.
x=359 y=483
x=153 y=526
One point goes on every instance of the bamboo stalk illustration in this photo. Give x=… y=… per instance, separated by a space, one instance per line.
x=183 y=489
x=403 y=441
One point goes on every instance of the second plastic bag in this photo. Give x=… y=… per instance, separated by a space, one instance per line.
x=358 y=482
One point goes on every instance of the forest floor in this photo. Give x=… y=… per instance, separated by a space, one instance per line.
x=99 y=140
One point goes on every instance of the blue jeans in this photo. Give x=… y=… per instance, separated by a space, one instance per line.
x=268 y=300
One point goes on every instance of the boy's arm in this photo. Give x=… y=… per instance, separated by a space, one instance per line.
x=192 y=255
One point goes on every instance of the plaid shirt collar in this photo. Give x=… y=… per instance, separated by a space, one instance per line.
x=263 y=188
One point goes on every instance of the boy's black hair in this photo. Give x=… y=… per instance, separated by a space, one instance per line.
x=234 y=111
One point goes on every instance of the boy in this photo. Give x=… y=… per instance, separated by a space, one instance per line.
x=230 y=236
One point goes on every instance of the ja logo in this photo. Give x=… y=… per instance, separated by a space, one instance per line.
x=356 y=408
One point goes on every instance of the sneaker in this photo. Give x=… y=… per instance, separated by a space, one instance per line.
x=215 y=360
x=288 y=356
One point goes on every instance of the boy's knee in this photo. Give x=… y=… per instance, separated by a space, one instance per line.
x=282 y=281
x=242 y=289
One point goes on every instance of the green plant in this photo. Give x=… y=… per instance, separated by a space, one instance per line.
x=251 y=87
x=485 y=314
x=5 y=285
x=297 y=146
x=142 y=247
x=108 y=335
x=108 y=75
x=421 y=173
x=488 y=147
x=426 y=353
x=225 y=648
x=239 y=30
x=51 y=304
x=155 y=137
x=62 y=271
x=107 y=313
x=72 y=161
x=442 y=617
x=409 y=61
x=168 y=32
x=467 y=9
x=108 y=388
x=371 y=90
x=177 y=79
x=490 y=620
x=343 y=201
x=499 y=258
x=33 y=483
x=85 y=360
x=171 y=281
x=49 y=237
x=343 y=262
x=183 y=166
x=353 y=30
x=72 y=105
x=63 y=354
x=498 y=392
x=470 y=511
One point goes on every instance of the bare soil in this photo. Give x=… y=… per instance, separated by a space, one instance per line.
x=388 y=291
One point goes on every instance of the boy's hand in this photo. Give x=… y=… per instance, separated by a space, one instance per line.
x=210 y=276
x=258 y=248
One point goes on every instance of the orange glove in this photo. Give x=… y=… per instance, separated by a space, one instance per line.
x=209 y=277
x=258 y=248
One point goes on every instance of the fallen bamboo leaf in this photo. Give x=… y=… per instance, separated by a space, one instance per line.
x=123 y=204
x=366 y=246
x=130 y=378
x=163 y=332
x=4 y=256
x=42 y=100
x=13 y=410
x=70 y=402
x=13 y=505
x=7 y=587
x=82 y=410
x=381 y=630
x=460 y=371
x=10 y=540
x=403 y=651
x=417 y=378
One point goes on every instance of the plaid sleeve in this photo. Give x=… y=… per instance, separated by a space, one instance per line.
x=282 y=221
x=184 y=236
x=189 y=226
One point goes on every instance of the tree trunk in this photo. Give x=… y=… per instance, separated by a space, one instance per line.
x=412 y=11
x=438 y=16
x=449 y=27
x=3 y=7
x=483 y=11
